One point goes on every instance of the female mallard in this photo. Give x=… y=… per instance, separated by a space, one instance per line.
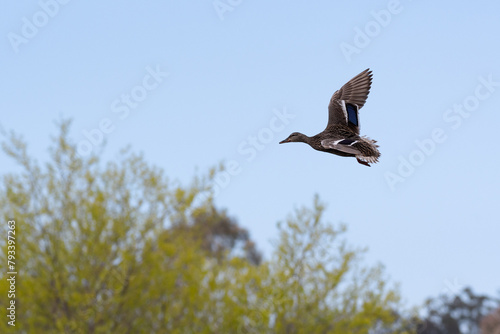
x=341 y=136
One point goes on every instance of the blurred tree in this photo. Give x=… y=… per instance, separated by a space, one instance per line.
x=490 y=324
x=316 y=283
x=219 y=234
x=458 y=314
x=120 y=248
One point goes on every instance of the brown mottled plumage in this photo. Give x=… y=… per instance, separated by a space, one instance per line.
x=341 y=136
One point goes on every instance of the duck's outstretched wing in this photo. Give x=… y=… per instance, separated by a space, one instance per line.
x=346 y=102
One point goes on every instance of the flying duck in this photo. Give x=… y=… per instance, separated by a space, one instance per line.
x=341 y=135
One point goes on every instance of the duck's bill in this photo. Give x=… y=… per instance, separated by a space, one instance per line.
x=284 y=141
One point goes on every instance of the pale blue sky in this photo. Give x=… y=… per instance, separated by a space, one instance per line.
x=434 y=226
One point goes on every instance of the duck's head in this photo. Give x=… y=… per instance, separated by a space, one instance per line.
x=295 y=137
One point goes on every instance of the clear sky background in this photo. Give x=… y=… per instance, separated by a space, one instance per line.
x=429 y=213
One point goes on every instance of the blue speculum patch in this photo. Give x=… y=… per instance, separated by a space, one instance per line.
x=352 y=114
x=346 y=142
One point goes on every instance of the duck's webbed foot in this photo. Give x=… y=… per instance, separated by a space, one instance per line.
x=363 y=162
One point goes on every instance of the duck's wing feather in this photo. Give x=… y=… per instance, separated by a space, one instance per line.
x=344 y=145
x=346 y=102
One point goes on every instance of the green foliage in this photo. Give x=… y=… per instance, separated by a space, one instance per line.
x=119 y=248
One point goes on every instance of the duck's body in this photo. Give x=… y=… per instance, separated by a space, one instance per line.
x=341 y=136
